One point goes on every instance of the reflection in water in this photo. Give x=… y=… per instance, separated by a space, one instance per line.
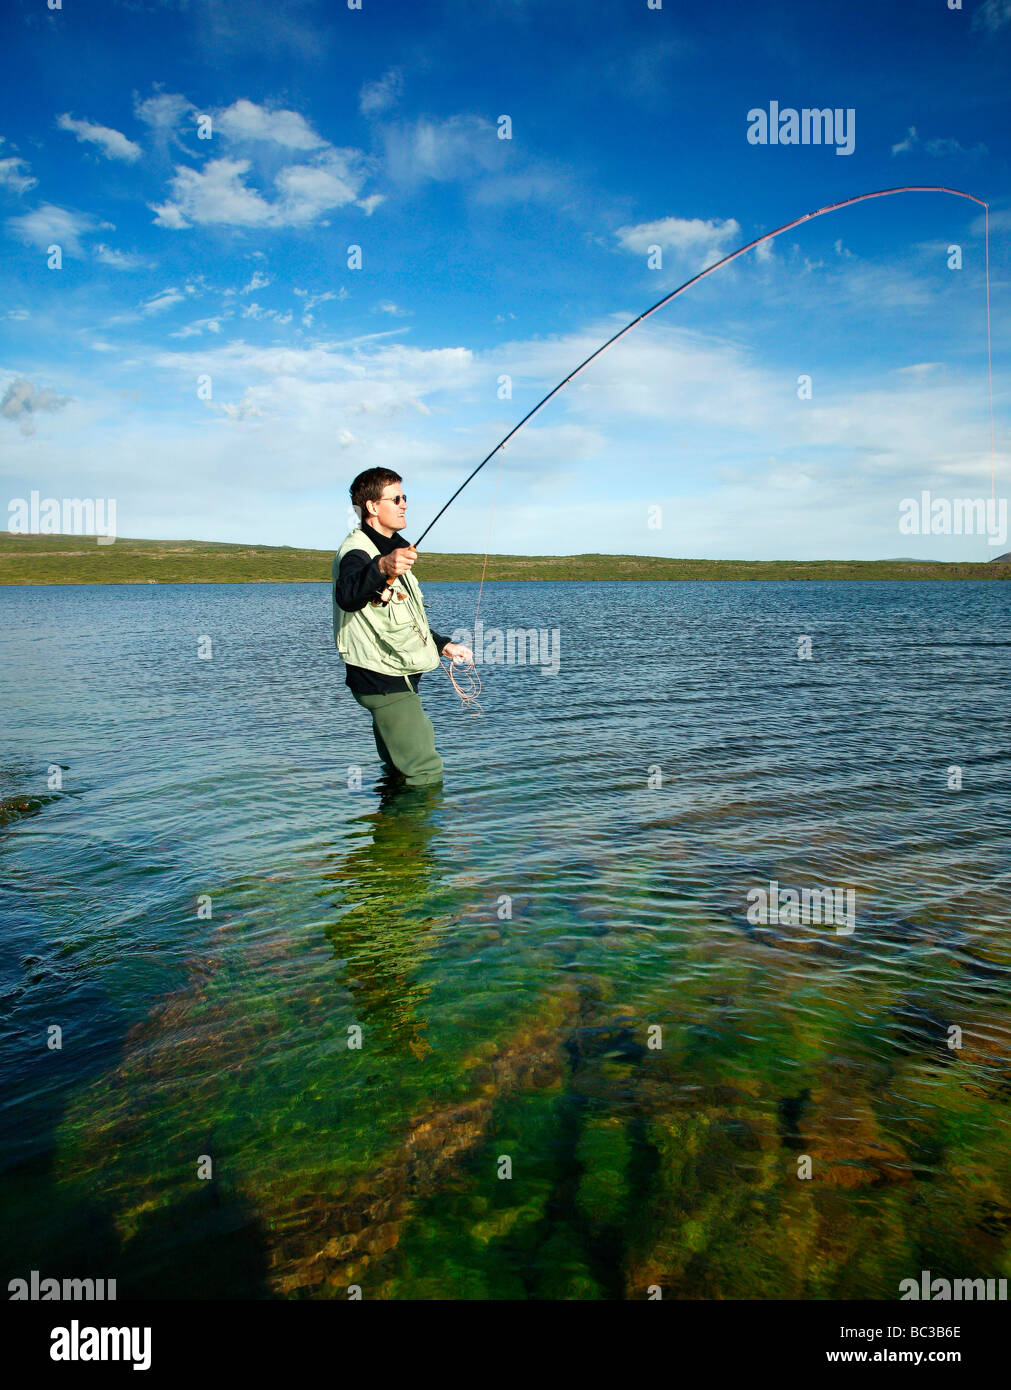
x=380 y=938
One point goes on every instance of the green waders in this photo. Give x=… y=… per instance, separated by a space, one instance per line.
x=405 y=736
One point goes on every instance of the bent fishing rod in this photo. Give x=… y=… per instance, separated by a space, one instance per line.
x=718 y=265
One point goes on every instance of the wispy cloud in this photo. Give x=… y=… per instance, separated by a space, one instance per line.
x=199 y=327
x=331 y=382
x=112 y=143
x=466 y=149
x=643 y=73
x=262 y=26
x=311 y=301
x=118 y=260
x=166 y=299
x=938 y=146
x=376 y=97
x=50 y=225
x=257 y=311
x=992 y=15
x=164 y=112
x=455 y=148
x=14 y=173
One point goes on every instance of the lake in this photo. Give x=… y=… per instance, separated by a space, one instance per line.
x=540 y=1033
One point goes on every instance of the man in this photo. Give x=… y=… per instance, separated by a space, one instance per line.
x=381 y=629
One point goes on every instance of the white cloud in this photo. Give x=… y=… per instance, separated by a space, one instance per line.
x=219 y=194
x=21 y=402
x=387 y=306
x=246 y=121
x=259 y=281
x=14 y=173
x=51 y=225
x=234 y=191
x=168 y=215
x=907 y=144
x=686 y=237
x=112 y=143
x=309 y=190
x=376 y=97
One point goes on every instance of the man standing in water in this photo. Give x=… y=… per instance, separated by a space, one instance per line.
x=381 y=629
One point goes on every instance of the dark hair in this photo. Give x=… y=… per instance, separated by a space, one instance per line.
x=368 y=487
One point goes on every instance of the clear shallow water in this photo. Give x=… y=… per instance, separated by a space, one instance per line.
x=525 y=1037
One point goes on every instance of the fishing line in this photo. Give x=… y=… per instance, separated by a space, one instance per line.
x=468 y=696
x=718 y=265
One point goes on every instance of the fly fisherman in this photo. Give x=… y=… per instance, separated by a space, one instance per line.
x=381 y=629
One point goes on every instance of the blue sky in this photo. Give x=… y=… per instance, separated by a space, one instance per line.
x=220 y=265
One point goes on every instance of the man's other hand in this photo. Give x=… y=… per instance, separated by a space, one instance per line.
x=456 y=651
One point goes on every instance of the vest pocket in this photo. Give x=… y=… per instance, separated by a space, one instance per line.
x=397 y=609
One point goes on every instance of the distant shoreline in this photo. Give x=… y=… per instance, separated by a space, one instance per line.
x=80 y=560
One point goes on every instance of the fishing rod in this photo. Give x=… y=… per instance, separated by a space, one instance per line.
x=767 y=236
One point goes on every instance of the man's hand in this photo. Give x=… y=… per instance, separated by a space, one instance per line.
x=456 y=651
x=398 y=561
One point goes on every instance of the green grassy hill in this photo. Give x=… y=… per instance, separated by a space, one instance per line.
x=80 y=560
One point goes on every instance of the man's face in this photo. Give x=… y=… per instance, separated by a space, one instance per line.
x=388 y=512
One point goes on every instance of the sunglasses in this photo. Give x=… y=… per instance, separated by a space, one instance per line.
x=400 y=497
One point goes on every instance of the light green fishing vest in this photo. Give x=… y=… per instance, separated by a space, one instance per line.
x=393 y=638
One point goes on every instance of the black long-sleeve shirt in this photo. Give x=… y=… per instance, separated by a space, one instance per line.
x=360 y=579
